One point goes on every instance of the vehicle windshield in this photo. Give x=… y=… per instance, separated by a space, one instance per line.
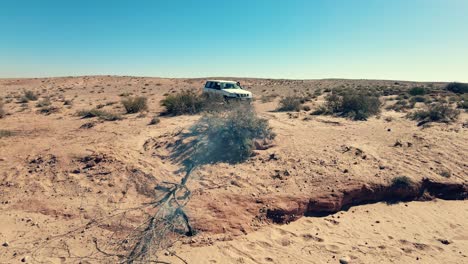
x=231 y=86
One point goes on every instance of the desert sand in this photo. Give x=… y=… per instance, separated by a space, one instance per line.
x=64 y=180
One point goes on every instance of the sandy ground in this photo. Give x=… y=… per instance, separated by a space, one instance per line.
x=57 y=177
x=415 y=232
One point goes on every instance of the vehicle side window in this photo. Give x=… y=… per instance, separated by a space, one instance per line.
x=217 y=86
x=208 y=84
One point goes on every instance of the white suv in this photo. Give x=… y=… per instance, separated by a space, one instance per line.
x=227 y=89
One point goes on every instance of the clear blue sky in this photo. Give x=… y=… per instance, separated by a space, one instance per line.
x=306 y=39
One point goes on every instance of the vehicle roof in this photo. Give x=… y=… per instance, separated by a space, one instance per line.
x=221 y=81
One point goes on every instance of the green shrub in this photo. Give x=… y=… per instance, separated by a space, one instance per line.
x=402 y=182
x=228 y=136
x=134 y=105
x=417 y=91
x=436 y=113
x=101 y=114
x=459 y=88
x=185 y=102
x=290 y=103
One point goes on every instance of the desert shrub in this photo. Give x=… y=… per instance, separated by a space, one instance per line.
x=43 y=103
x=436 y=113
x=2 y=111
x=418 y=99
x=6 y=133
x=461 y=105
x=47 y=110
x=417 y=91
x=354 y=106
x=268 y=98
x=155 y=120
x=306 y=108
x=321 y=110
x=401 y=106
x=29 y=96
x=67 y=102
x=455 y=87
x=403 y=96
x=402 y=182
x=185 y=102
x=445 y=173
x=101 y=114
x=134 y=105
x=290 y=103
x=228 y=136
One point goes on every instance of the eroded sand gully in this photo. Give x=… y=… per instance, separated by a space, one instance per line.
x=58 y=173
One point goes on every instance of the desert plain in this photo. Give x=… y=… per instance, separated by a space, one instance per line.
x=320 y=193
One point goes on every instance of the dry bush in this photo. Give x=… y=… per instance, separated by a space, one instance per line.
x=435 y=113
x=134 y=105
x=354 y=106
x=418 y=99
x=402 y=182
x=103 y=115
x=460 y=88
x=6 y=133
x=290 y=103
x=47 y=110
x=155 y=120
x=2 y=111
x=185 y=102
x=43 y=103
x=225 y=136
x=401 y=106
x=29 y=96
x=268 y=98
x=417 y=91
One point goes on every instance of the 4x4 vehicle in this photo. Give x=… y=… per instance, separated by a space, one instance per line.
x=227 y=89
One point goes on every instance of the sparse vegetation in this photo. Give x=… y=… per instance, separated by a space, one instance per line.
x=155 y=120
x=460 y=88
x=228 y=136
x=2 y=111
x=445 y=174
x=268 y=98
x=134 y=105
x=435 y=113
x=28 y=96
x=185 y=102
x=418 y=99
x=47 y=110
x=291 y=103
x=6 y=133
x=417 y=91
x=354 y=106
x=43 y=103
x=402 y=182
x=101 y=114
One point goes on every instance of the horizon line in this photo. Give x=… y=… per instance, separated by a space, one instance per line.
x=229 y=77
